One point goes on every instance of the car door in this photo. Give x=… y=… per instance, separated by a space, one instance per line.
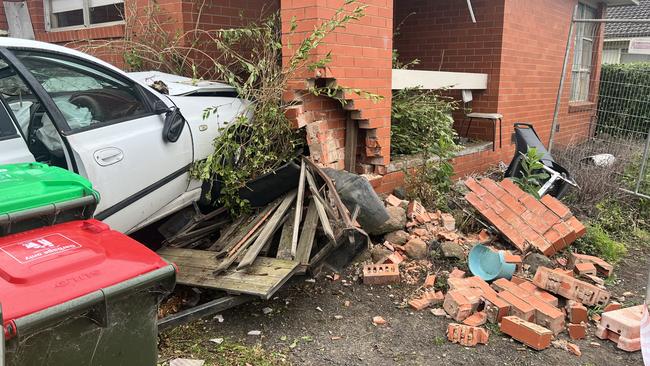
x=13 y=148
x=113 y=135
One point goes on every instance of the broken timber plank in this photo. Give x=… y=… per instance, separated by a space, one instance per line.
x=268 y=231
x=264 y=215
x=285 y=246
x=226 y=262
x=320 y=208
x=262 y=278
x=308 y=234
x=332 y=187
x=226 y=235
x=298 y=214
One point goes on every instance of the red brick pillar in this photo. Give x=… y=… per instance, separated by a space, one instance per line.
x=361 y=59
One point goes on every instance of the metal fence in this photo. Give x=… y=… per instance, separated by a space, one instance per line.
x=604 y=128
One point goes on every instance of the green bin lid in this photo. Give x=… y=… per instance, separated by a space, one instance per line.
x=26 y=186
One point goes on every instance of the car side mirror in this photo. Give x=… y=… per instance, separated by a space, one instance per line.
x=159 y=107
x=173 y=127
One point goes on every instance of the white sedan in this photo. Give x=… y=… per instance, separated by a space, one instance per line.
x=135 y=144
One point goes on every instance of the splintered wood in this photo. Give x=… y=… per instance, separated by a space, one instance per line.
x=258 y=252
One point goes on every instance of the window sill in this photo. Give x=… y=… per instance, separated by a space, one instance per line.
x=581 y=106
x=95 y=32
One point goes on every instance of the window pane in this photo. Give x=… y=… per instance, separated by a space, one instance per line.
x=84 y=93
x=66 y=13
x=107 y=13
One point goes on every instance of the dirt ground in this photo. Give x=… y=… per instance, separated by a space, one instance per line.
x=302 y=328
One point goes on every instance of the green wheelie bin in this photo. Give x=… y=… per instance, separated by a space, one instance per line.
x=35 y=194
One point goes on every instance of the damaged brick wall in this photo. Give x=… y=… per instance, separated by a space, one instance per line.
x=361 y=58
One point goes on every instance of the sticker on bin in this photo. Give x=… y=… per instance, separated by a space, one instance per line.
x=38 y=248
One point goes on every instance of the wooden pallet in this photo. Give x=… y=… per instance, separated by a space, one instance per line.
x=262 y=278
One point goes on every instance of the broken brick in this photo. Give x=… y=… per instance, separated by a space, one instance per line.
x=585 y=268
x=622 y=327
x=501 y=284
x=465 y=335
x=430 y=281
x=456 y=273
x=556 y=206
x=416 y=211
x=577 y=312
x=570 y=288
x=457 y=305
x=513 y=258
x=378 y=320
x=427 y=299
x=477 y=319
x=484 y=237
x=612 y=306
x=393 y=201
x=448 y=222
x=394 y=258
x=380 y=274
x=577 y=331
x=603 y=268
x=530 y=334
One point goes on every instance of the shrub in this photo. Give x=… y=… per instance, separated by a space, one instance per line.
x=597 y=242
x=623 y=101
x=532 y=175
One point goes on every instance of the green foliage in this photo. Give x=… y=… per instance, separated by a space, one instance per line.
x=422 y=123
x=623 y=100
x=430 y=183
x=532 y=173
x=627 y=222
x=598 y=242
x=261 y=138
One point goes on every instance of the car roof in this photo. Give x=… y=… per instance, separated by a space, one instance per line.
x=178 y=85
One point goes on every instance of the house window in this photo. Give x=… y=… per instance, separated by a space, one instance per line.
x=583 y=54
x=83 y=13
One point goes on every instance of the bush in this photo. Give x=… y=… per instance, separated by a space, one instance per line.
x=421 y=122
x=623 y=101
x=597 y=242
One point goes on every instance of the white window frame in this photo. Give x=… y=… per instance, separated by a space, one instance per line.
x=579 y=68
x=47 y=6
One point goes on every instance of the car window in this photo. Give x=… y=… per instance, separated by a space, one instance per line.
x=7 y=128
x=85 y=94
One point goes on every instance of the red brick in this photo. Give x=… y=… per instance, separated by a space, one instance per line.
x=585 y=268
x=512 y=188
x=502 y=284
x=466 y=335
x=457 y=273
x=393 y=201
x=556 y=206
x=512 y=258
x=547 y=315
x=380 y=274
x=530 y=334
x=605 y=269
x=577 y=331
x=430 y=281
x=492 y=187
x=518 y=307
x=394 y=258
x=577 y=226
x=427 y=299
x=477 y=319
x=569 y=287
x=475 y=187
x=612 y=306
x=457 y=305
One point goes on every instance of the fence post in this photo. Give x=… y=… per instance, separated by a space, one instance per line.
x=643 y=163
x=558 y=100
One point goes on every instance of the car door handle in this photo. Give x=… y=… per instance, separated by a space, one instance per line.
x=108 y=156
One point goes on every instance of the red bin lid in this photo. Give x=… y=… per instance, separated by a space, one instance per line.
x=49 y=266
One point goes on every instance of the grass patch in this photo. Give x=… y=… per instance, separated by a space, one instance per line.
x=598 y=242
x=193 y=341
x=439 y=341
x=493 y=328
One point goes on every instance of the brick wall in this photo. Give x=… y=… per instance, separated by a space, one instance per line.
x=361 y=58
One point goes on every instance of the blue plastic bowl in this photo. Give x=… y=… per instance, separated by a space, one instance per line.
x=489 y=265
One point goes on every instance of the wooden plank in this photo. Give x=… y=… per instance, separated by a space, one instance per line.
x=262 y=278
x=320 y=208
x=268 y=231
x=228 y=234
x=228 y=261
x=351 y=137
x=285 y=245
x=332 y=187
x=308 y=233
x=264 y=215
x=298 y=214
